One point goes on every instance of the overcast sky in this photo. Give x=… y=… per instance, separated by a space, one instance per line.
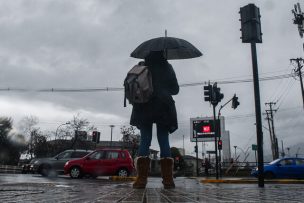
x=87 y=44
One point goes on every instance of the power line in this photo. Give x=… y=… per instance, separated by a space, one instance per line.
x=284 y=94
x=278 y=88
x=112 y=89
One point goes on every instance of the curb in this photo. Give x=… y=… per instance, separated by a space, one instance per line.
x=119 y=178
x=251 y=181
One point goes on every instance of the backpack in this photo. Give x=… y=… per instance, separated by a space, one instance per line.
x=138 y=85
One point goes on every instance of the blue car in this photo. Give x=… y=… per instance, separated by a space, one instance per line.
x=283 y=168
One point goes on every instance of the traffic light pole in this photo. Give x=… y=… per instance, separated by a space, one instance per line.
x=215 y=141
x=258 y=115
x=220 y=133
x=251 y=33
x=196 y=147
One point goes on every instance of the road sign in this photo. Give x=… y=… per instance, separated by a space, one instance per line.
x=202 y=129
x=254 y=147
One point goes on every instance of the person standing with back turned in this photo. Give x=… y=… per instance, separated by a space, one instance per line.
x=160 y=109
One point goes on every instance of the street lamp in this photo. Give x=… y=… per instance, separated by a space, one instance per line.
x=235 y=152
x=67 y=123
x=288 y=151
x=111 y=126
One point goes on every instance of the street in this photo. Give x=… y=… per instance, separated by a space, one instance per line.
x=35 y=188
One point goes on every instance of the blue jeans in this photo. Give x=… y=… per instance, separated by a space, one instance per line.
x=146 y=137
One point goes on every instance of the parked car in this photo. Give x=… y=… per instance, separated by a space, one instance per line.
x=283 y=168
x=55 y=165
x=101 y=162
x=28 y=167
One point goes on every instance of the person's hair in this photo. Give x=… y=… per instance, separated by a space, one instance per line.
x=155 y=57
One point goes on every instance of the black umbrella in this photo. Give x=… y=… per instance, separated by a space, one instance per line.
x=174 y=48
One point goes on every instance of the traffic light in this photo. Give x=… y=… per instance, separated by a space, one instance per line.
x=251 y=24
x=94 y=136
x=208 y=93
x=195 y=149
x=218 y=96
x=98 y=137
x=220 y=145
x=235 y=102
x=177 y=159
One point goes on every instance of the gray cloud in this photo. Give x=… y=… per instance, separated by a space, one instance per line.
x=86 y=44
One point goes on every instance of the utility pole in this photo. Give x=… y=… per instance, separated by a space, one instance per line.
x=299 y=21
x=283 y=152
x=235 y=152
x=298 y=72
x=274 y=138
x=271 y=136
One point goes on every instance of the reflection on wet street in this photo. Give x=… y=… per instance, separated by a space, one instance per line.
x=35 y=188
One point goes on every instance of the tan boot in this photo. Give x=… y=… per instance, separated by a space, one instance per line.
x=142 y=165
x=166 y=165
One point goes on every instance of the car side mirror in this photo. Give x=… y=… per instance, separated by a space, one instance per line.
x=279 y=165
x=87 y=158
x=57 y=157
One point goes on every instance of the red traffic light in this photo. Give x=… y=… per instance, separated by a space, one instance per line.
x=96 y=136
x=220 y=144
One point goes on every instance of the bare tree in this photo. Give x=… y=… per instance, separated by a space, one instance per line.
x=130 y=138
x=77 y=125
x=28 y=126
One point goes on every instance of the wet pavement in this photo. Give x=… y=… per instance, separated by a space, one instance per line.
x=34 y=188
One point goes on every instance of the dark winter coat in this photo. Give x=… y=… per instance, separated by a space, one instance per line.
x=161 y=108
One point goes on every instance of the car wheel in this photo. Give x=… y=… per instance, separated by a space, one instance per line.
x=123 y=172
x=269 y=175
x=45 y=170
x=75 y=172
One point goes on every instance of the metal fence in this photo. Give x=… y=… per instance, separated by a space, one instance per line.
x=10 y=169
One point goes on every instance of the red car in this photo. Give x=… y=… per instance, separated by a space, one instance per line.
x=101 y=162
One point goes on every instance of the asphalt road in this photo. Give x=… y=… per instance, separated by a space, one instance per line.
x=35 y=188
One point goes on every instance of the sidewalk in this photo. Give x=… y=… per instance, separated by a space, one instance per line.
x=230 y=180
x=35 y=188
x=250 y=180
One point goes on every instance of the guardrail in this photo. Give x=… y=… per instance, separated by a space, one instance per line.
x=10 y=169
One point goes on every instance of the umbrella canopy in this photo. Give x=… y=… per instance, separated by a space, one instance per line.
x=174 y=48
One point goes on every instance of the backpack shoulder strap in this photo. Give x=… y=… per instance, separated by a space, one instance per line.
x=125 y=99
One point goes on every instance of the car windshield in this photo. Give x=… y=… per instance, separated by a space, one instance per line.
x=64 y=155
x=274 y=161
x=32 y=161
